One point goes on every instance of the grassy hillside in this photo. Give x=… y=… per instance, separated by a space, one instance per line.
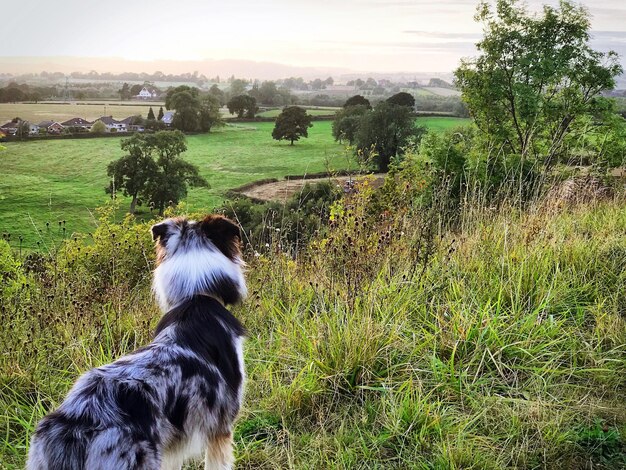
x=397 y=345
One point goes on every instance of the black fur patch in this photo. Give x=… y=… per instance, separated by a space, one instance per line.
x=204 y=326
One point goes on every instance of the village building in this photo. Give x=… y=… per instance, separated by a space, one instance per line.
x=148 y=93
x=77 y=124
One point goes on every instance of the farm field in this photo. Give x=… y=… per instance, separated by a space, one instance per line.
x=37 y=112
x=442 y=123
x=54 y=181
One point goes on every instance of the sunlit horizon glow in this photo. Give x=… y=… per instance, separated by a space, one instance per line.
x=352 y=35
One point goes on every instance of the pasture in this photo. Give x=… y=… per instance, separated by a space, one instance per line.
x=311 y=111
x=51 y=188
x=55 y=181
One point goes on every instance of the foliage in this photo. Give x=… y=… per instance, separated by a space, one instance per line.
x=389 y=343
x=357 y=100
x=534 y=77
x=98 y=127
x=151 y=116
x=153 y=170
x=242 y=105
x=385 y=132
x=347 y=121
x=209 y=115
x=290 y=224
x=125 y=92
x=161 y=113
x=193 y=112
x=402 y=99
x=292 y=124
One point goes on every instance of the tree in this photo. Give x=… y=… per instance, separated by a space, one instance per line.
x=347 y=122
x=292 y=124
x=218 y=93
x=385 y=132
x=242 y=105
x=357 y=100
x=98 y=127
x=161 y=114
x=402 y=99
x=169 y=184
x=535 y=76
x=135 y=89
x=184 y=100
x=150 y=114
x=132 y=172
x=237 y=87
x=124 y=92
x=209 y=115
x=153 y=170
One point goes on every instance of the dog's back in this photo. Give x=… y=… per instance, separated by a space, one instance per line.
x=176 y=396
x=150 y=405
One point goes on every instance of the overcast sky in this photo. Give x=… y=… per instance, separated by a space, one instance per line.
x=362 y=35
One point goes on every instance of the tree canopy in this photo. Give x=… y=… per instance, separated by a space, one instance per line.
x=347 y=122
x=402 y=99
x=153 y=170
x=243 y=106
x=535 y=75
x=291 y=124
x=384 y=132
x=193 y=111
x=357 y=100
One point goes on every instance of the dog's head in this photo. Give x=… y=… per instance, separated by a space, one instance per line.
x=198 y=257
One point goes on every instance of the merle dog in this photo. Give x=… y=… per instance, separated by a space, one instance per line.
x=179 y=395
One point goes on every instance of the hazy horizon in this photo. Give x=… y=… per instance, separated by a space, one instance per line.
x=356 y=36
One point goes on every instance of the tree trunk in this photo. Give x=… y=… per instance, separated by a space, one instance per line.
x=133 y=204
x=291 y=141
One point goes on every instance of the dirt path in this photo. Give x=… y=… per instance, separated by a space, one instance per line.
x=283 y=190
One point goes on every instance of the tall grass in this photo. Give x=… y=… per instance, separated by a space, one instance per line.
x=389 y=343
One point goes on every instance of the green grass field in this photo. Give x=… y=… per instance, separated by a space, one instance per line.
x=442 y=123
x=37 y=112
x=51 y=181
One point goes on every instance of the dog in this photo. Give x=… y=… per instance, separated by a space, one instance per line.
x=179 y=395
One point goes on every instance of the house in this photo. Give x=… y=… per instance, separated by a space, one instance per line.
x=77 y=125
x=51 y=127
x=33 y=129
x=10 y=128
x=148 y=93
x=134 y=124
x=167 y=118
x=113 y=125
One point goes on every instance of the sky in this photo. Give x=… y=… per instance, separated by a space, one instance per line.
x=356 y=35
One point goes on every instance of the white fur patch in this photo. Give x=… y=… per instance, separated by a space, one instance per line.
x=193 y=272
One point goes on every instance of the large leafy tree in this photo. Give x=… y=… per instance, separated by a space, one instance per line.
x=242 y=105
x=153 y=170
x=291 y=124
x=535 y=75
x=385 y=131
x=357 y=100
x=402 y=99
x=193 y=111
x=347 y=122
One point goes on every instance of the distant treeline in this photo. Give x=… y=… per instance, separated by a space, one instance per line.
x=14 y=92
x=157 y=76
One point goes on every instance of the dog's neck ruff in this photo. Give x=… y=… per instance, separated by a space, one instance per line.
x=199 y=271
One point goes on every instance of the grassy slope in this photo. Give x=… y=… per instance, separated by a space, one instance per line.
x=51 y=181
x=505 y=350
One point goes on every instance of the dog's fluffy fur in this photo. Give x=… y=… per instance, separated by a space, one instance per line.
x=179 y=395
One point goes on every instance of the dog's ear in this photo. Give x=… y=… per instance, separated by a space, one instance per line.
x=159 y=231
x=224 y=234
